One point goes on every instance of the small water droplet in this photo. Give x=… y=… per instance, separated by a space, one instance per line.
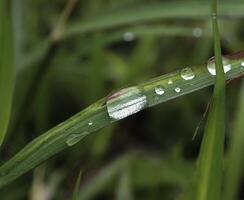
x=128 y=36
x=197 y=32
x=211 y=66
x=187 y=73
x=75 y=138
x=90 y=123
x=170 y=82
x=177 y=89
x=242 y=64
x=125 y=102
x=159 y=90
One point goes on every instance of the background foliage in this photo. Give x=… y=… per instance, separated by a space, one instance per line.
x=71 y=53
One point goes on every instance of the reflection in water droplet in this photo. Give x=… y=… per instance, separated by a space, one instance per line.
x=170 y=82
x=177 y=89
x=187 y=73
x=126 y=102
x=74 y=138
x=197 y=32
x=159 y=90
x=90 y=123
x=211 y=66
x=128 y=36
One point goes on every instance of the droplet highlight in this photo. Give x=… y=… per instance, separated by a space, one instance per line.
x=90 y=123
x=159 y=90
x=177 y=89
x=125 y=103
x=187 y=73
x=242 y=65
x=197 y=32
x=75 y=138
x=212 y=69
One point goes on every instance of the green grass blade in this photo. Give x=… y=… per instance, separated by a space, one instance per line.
x=105 y=176
x=6 y=68
x=209 y=171
x=75 y=195
x=96 y=116
x=235 y=155
x=124 y=186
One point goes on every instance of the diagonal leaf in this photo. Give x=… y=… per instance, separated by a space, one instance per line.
x=6 y=68
x=105 y=111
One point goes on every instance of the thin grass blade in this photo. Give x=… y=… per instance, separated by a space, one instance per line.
x=209 y=171
x=75 y=195
x=235 y=155
x=6 y=68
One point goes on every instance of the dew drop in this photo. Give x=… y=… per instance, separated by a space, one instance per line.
x=75 y=138
x=159 y=90
x=170 y=82
x=214 y=15
x=187 y=73
x=197 y=32
x=128 y=36
x=242 y=64
x=125 y=102
x=211 y=66
x=177 y=89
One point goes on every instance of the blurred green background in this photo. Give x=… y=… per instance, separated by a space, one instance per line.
x=71 y=53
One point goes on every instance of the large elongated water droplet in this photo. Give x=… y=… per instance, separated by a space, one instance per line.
x=212 y=69
x=187 y=73
x=126 y=102
x=76 y=137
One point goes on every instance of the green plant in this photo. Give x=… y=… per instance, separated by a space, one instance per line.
x=87 y=55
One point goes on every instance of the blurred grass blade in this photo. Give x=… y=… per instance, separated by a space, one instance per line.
x=150 y=12
x=97 y=116
x=75 y=195
x=128 y=16
x=209 y=171
x=105 y=177
x=235 y=157
x=6 y=68
x=124 y=186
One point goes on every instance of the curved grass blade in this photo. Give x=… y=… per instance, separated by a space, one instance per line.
x=6 y=68
x=152 y=12
x=235 y=155
x=210 y=163
x=115 y=107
